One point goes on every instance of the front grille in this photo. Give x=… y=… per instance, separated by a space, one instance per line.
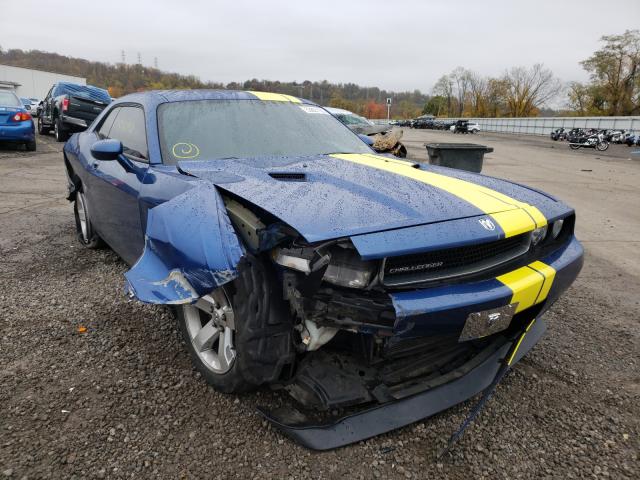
x=453 y=262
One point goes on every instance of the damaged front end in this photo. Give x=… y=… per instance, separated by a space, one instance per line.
x=369 y=350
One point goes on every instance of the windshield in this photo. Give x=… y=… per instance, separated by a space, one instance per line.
x=215 y=129
x=9 y=99
x=353 y=119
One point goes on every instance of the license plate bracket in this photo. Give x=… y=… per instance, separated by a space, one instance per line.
x=487 y=322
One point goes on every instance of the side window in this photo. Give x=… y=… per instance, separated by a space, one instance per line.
x=103 y=131
x=129 y=128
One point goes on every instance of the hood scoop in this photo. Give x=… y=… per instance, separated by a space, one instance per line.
x=289 y=176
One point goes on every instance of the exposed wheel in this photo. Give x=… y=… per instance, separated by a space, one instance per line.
x=30 y=146
x=573 y=146
x=58 y=130
x=602 y=146
x=240 y=335
x=84 y=229
x=42 y=130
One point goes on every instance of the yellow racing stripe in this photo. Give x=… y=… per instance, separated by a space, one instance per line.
x=549 y=275
x=513 y=216
x=275 y=97
x=529 y=285
x=517 y=345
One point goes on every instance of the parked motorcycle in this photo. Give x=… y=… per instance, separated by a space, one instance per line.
x=615 y=136
x=558 y=134
x=632 y=140
x=589 y=140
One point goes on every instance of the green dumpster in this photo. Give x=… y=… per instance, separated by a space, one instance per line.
x=463 y=156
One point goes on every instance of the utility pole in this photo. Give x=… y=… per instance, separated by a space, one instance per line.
x=139 y=59
x=155 y=62
x=122 y=55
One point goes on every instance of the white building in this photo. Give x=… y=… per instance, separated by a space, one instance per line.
x=30 y=83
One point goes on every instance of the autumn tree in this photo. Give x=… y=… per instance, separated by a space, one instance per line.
x=444 y=88
x=528 y=89
x=615 y=75
x=461 y=79
x=435 y=106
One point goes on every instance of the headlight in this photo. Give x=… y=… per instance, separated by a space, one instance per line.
x=538 y=235
x=345 y=268
x=557 y=228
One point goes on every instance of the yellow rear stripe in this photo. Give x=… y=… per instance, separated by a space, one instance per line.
x=275 y=97
x=530 y=285
x=523 y=218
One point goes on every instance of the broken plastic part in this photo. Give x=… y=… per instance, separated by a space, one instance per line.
x=190 y=249
x=246 y=222
x=315 y=337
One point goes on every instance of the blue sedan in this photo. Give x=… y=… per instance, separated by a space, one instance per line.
x=296 y=257
x=16 y=123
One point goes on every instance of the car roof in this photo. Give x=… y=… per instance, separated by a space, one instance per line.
x=338 y=111
x=153 y=98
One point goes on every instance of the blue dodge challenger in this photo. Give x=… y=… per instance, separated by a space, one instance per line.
x=377 y=289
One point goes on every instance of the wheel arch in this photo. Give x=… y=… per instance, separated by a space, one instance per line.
x=74 y=183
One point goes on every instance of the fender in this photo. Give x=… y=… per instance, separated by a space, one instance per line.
x=191 y=248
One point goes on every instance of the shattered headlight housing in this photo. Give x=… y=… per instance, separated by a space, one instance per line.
x=346 y=269
x=342 y=263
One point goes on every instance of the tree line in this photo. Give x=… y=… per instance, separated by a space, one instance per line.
x=613 y=88
x=121 y=79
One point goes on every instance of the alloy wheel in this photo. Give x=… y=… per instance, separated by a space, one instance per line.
x=82 y=216
x=211 y=328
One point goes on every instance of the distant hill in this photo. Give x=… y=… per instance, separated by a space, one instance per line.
x=121 y=79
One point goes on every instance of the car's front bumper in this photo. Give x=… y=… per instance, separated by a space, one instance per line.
x=445 y=309
x=18 y=132
x=392 y=415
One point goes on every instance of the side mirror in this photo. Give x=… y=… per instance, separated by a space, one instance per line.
x=109 y=149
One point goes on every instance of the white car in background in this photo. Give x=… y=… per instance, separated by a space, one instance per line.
x=472 y=127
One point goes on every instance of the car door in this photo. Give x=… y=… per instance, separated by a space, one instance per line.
x=115 y=185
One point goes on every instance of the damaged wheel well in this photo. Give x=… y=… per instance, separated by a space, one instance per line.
x=73 y=180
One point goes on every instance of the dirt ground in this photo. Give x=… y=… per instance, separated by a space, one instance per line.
x=122 y=400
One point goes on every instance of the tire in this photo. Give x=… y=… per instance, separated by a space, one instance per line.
x=84 y=228
x=574 y=146
x=60 y=133
x=41 y=128
x=30 y=146
x=256 y=346
x=602 y=146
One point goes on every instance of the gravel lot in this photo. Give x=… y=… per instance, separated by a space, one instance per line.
x=123 y=401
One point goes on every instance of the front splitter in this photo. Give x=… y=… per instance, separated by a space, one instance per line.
x=392 y=415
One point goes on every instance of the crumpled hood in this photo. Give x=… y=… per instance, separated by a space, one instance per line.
x=338 y=197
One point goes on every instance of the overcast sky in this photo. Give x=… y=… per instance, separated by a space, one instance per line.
x=399 y=45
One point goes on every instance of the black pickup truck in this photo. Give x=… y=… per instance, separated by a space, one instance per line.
x=69 y=108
